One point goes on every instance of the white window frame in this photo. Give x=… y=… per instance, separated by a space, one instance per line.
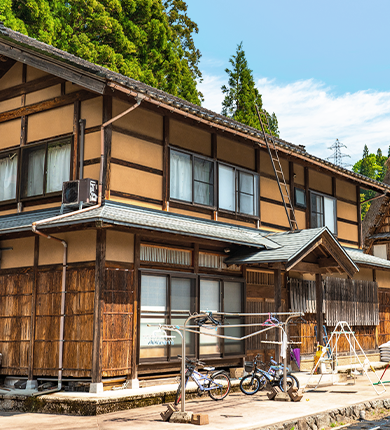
x=324 y=221
x=237 y=194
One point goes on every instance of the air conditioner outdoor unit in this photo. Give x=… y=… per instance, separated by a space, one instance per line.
x=83 y=192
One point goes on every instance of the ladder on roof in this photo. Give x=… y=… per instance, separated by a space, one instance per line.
x=273 y=153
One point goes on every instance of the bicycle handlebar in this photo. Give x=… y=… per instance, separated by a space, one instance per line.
x=193 y=361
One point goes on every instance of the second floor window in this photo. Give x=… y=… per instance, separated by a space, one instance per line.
x=323 y=211
x=45 y=167
x=191 y=178
x=238 y=191
x=8 y=176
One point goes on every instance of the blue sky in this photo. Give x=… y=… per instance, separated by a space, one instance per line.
x=322 y=67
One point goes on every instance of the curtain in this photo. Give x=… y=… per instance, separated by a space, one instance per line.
x=246 y=190
x=181 y=176
x=8 y=172
x=226 y=188
x=330 y=212
x=58 y=166
x=203 y=182
x=35 y=172
x=210 y=301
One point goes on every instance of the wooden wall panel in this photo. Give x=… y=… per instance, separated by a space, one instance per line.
x=15 y=311
x=10 y=133
x=54 y=122
x=139 y=120
x=12 y=77
x=22 y=254
x=274 y=214
x=120 y=246
x=191 y=138
x=345 y=190
x=117 y=327
x=10 y=104
x=136 y=151
x=46 y=94
x=269 y=189
x=92 y=111
x=235 y=153
x=136 y=182
x=320 y=182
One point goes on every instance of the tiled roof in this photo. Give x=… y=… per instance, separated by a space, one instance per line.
x=138 y=217
x=359 y=257
x=291 y=244
x=103 y=74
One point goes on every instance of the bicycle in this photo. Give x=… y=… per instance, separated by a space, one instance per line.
x=257 y=379
x=217 y=385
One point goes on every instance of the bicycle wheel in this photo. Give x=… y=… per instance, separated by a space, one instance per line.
x=250 y=384
x=291 y=380
x=219 y=386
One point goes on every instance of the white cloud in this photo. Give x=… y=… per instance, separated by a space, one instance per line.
x=311 y=114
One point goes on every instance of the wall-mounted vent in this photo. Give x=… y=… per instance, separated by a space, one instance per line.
x=80 y=192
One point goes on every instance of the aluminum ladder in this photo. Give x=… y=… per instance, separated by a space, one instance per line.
x=273 y=153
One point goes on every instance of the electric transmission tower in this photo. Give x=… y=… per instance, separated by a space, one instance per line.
x=338 y=156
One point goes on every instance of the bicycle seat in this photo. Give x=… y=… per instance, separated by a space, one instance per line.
x=209 y=369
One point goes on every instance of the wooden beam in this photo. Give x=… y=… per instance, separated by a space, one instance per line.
x=165 y=181
x=359 y=216
x=136 y=308
x=76 y=137
x=319 y=301
x=46 y=105
x=309 y=268
x=23 y=122
x=96 y=371
x=307 y=185
x=327 y=262
x=55 y=67
x=33 y=311
x=107 y=115
x=29 y=87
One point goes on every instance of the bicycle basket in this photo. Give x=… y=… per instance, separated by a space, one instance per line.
x=249 y=366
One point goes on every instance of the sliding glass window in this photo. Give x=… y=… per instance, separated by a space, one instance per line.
x=191 y=178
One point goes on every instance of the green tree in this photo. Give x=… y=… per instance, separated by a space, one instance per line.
x=241 y=95
x=373 y=166
x=147 y=40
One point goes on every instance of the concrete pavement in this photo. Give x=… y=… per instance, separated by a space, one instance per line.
x=236 y=412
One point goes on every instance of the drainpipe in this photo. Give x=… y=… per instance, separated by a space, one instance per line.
x=65 y=245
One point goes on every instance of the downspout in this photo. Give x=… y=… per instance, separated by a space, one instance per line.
x=65 y=245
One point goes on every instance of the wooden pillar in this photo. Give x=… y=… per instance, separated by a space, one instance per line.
x=76 y=139
x=136 y=307
x=165 y=180
x=307 y=185
x=33 y=311
x=107 y=115
x=359 y=216
x=278 y=306
x=98 y=306
x=319 y=301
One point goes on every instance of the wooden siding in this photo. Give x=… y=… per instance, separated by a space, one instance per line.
x=15 y=322
x=118 y=319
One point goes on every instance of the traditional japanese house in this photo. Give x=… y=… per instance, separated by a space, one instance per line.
x=167 y=208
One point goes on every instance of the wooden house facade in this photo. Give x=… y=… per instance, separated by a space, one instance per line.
x=189 y=217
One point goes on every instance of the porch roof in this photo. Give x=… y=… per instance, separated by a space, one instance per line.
x=133 y=216
x=361 y=258
x=294 y=247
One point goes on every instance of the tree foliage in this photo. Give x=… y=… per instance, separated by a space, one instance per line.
x=148 y=40
x=241 y=95
x=373 y=166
